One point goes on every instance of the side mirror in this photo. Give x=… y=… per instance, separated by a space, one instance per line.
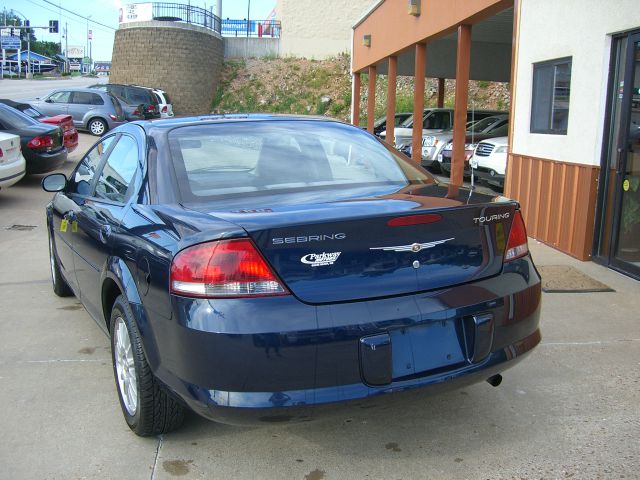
x=56 y=182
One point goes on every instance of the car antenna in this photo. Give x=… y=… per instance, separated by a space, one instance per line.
x=473 y=187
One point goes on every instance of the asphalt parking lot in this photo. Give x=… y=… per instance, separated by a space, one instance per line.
x=570 y=410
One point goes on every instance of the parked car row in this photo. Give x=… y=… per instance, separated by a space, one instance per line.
x=486 y=129
x=46 y=130
x=41 y=143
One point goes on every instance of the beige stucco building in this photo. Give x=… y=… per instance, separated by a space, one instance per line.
x=317 y=29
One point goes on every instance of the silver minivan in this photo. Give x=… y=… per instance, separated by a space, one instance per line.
x=92 y=110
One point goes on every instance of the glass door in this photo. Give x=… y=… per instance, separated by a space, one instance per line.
x=618 y=242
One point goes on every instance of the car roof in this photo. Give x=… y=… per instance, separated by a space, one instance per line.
x=169 y=123
x=80 y=89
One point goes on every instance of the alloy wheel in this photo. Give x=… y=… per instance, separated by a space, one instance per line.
x=125 y=367
x=97 y=127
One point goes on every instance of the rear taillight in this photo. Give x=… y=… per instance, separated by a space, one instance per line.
x=517 y=245
x=151 y=108
x=222 y=269
x=164 y=109
x=113 y=117
x=136 y=112
x=40 y=142
x=1 y=153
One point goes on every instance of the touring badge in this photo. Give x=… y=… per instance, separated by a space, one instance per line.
x=320 y=259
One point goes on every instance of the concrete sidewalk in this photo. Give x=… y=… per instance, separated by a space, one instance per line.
x=569 y=410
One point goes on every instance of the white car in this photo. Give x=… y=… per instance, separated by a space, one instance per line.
x=12 y=163
x=166 y=108
x=489 y=160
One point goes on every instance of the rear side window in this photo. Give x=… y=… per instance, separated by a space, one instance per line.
x=166 y=97
x=239 y=158
x=118 y=172
x=87 y=98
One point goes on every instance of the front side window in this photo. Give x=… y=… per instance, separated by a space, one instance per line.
x=80 y=181
x=550 y=97
x=59 y=97
x=118 y=171
x=244 y=157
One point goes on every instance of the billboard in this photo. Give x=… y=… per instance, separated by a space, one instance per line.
x=75 y=51
x=136 y=12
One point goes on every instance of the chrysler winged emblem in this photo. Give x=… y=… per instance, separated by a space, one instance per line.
x=414 y=247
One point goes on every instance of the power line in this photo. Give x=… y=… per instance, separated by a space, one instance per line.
x=79 y=22
x=77 y=14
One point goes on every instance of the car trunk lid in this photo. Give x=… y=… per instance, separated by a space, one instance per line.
x=369 y=247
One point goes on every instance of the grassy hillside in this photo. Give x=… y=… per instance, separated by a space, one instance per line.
x=323 y=87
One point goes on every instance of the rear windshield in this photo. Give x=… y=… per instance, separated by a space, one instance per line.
x=243 y=157
x=12 y=118
x=162 y=97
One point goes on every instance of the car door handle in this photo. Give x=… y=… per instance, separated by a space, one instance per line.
x=105 y=233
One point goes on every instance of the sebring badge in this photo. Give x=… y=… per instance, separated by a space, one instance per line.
x=414 y=247
x=320 y=259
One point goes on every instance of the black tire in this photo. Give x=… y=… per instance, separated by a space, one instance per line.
x=97 y=127
x=156 y=410
x=60 y=286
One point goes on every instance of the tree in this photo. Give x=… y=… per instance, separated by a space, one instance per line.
x=42 y=47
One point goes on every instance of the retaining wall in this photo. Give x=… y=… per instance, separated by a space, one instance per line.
x=182 y=59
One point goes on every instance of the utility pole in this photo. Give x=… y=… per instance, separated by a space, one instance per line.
x=29 y=72
x=248 y=17
x=66 y=47
x=87 y=44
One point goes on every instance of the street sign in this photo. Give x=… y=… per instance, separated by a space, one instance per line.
x=7 y=41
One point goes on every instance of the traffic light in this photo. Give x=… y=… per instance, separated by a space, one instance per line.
x=27 y=23
x=53 y=26
x=11 y=31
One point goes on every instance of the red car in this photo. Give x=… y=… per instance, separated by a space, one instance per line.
x=65 y=122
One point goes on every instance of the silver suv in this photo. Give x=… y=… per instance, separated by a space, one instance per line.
x=92 y=110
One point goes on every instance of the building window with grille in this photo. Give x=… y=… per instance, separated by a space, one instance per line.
x=550 y=98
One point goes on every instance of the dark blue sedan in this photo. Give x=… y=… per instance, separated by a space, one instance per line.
x=255 y=268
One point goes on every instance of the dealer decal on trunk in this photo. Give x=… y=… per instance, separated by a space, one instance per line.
x=320 y=259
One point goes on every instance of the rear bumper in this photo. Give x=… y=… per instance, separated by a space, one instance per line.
x=12 y=173
x=277 y=359
x=42 y=162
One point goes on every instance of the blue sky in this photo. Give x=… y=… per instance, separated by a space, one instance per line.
x=106 y=12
